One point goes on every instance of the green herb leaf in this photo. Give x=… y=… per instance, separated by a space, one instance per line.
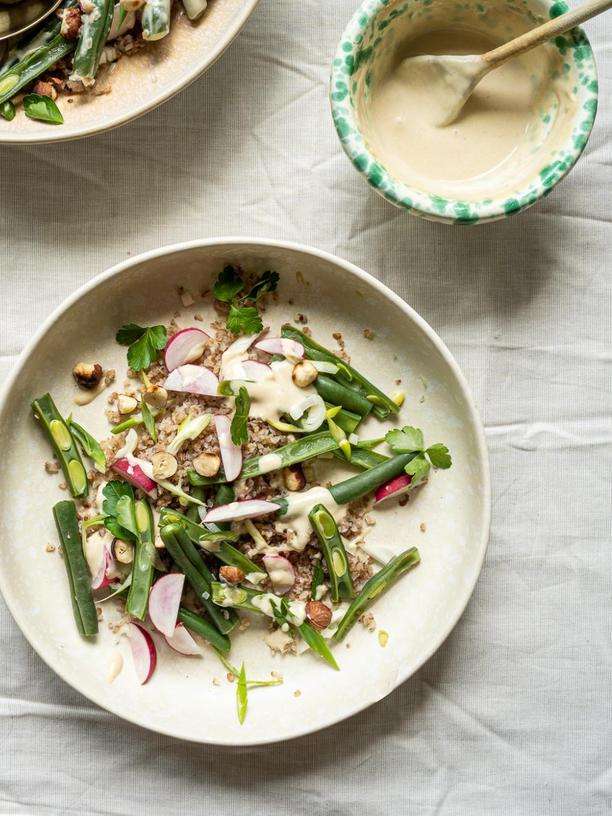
x=419 y=469
x=126 y=514
x=228 y=284
x=266 y=283
x=439 y=456
x=238 y=429
x=119 y=506
x=317 y=580
x=143 y=352
x=88 y=444
x=244 y=319
x=7 y=110
x=242 y=695
x=112 y=492
x=406 y=440
x=148 y=420
x=280 y=611
x=317 y=643
x=129 y=333
x=42 y=108
x=116 y=530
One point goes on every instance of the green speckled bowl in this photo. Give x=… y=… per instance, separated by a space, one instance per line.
x=366 y=43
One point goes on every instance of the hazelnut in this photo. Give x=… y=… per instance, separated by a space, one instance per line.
x=156 y=397
x=304 y=373
x=71 y=23
x=126 y=404
x=45 y=89
x=87 y=375
x=164 y=465
x=318 y=614
x=207 y=464
x=124 y=551
x=232 y=575
x=293 y=478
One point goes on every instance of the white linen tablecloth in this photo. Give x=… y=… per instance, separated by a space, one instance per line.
x=513 y=715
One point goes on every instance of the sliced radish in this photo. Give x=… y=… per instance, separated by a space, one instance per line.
x=231 y=455
x=233 y=356
x=182 y=642
x=134 y=474
x=393 y=488
x=102 y=578
x=281 y=572
x=281 y=345
x=312 y=408
x=254 y=370
x=164 y=602
x=185 y=347
x=144 y=653
x=237 y=510
x=192 y=379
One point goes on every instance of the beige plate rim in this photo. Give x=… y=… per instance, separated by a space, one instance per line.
x=410 y=315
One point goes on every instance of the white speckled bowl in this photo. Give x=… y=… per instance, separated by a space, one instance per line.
x=143 y=81
x=418 y=613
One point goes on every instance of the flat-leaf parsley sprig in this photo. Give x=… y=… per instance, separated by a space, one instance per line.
x=410 y=440
x=243 y=315
x=144 y=344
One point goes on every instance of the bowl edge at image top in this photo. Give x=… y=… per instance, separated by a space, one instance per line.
x=427 y=205
x=224 y=245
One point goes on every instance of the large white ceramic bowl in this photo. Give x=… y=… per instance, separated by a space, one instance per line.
x=143 y=81
x=417 y=613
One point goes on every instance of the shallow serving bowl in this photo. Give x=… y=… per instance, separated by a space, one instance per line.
x=375 y=37
x=143 y=81
x=418 y=613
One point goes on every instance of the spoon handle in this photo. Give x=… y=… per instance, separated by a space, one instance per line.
x=538 y=35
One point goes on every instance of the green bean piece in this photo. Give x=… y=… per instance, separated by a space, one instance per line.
x=347 y=420
x=337 y=394
x=205 y=629
x=155 y=19
x=58 y=433
x=364 y=483
x=375 y=586
x=27 y=43
x=176 y=540
x=33 y=65
x=143 y=568
x=330 y=541
x=225 y=495
x=193 y=511
x=363 y=458
x=347 y=375
x=92 y=37
x=7 y=110
x=83 y=606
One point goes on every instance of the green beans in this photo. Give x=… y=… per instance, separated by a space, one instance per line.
x=337 y=394
x=347 y=375
x=363 y=458
x=92 y=36
x=205 y=629
x=155 y=19
x=33 y=65
x=347 y=420
x=375 y=586
x=143 y=568
x=83 y=606
x=364 y=483
x=330 y=541
x=58 y=433
x=189 y=561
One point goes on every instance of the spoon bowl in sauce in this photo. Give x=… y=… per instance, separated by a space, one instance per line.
x=17 y=16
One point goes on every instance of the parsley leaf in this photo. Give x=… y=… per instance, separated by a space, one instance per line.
x=238 y=429
x=148 y=420
x=406 y=440
x=118 y=505
x=144 y=343
x=42 y=108
x=280 y=611
x=244 y=319
x=419 y=469
x=266 y=283
x=228 y=284
x=439 y=456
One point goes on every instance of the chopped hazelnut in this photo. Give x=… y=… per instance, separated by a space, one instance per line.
x=126 y=404
x=164 y=465
x=71 y=23
x=304 y=373
x=233 y=575
x=207 y=464
x=318 y=614
x=45 y=89
x=87 y=375
x=124 y=551
x=293 y=478
x=156 y=397
x=52 y=466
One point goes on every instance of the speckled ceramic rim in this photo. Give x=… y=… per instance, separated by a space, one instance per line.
x=417 y=202
x=409 y=314
x=209 y=59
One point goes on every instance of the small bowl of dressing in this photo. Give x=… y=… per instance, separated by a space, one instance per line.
x=521 y=132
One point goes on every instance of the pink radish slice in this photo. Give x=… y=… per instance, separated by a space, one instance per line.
x=393 y=488
x=144 y=653
x=192 y=379
x=254 y=370
x=281 y=572
x=281 y=345
x=234 y=511
x=231 y=455
x=185 y=347
x=134 y=474
x=182 y=642
x=164 y=602
x=101 y=578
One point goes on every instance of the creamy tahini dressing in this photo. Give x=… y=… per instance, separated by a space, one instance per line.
x=516 y=116
x=277 y=394
x=296 y=517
